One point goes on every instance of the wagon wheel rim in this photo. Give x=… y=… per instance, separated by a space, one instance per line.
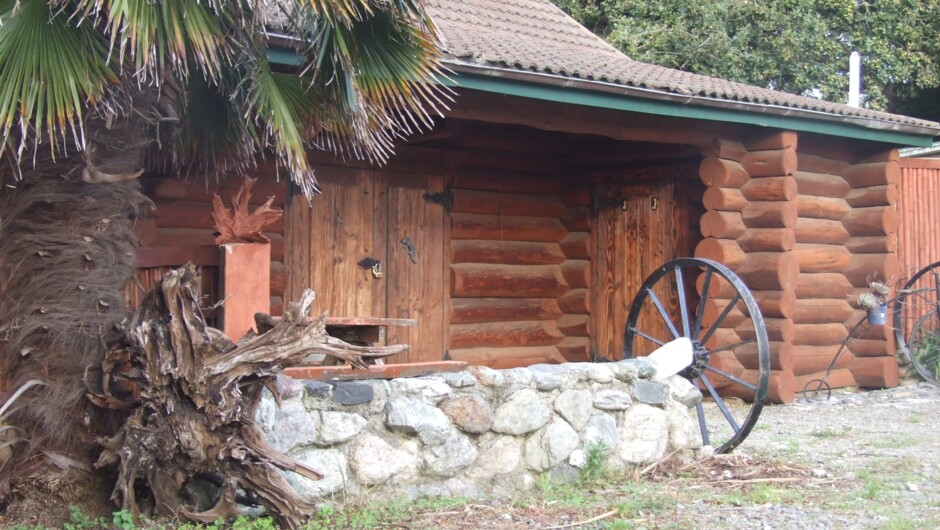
x=721 y=424
x=919 y=296
x=924 y=344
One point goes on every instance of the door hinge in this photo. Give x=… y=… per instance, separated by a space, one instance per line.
x=444 y=198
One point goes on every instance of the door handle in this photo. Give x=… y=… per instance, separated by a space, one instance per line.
x=377 y=270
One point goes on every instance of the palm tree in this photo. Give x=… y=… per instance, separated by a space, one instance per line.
x=93 y=93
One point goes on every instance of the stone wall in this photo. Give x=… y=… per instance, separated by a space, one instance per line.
x=479 y=432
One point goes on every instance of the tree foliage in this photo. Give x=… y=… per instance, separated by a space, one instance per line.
x=797 y=46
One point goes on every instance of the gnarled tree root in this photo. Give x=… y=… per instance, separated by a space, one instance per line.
x=194 y=415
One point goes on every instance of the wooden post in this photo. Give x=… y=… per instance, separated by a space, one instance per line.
x=246 y=286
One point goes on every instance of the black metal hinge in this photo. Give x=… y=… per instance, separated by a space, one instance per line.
x=444 y=198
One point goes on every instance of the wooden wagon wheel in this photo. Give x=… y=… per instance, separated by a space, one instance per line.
x=917 y=322
x=724 y=423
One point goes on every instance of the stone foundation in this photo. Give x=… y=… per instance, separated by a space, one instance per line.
x=479 y=432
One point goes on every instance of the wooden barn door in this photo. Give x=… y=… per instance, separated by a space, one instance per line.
x=365 y=214
x=637 y=229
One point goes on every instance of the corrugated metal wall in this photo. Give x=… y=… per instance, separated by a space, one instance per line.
x=919 y=212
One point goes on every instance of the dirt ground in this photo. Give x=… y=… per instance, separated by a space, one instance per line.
x=859 y=460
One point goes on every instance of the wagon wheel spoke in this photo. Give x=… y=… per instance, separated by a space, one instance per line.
x=736 y=359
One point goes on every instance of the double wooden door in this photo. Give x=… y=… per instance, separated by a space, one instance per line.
x=638 y=227
x=371 y=245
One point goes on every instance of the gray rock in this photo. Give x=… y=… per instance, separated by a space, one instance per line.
x=683 y=391
x=601 y=429
x=650 y=392
x=374 y=461
x=339 y=427
x=612 y=400
x=550 y=445
x=352 y=393
x=644 y=368
x=487 y=376
x=292 y=426
x=684 y=431
x=518 y=377
x=498 y=455
x=624 y=371
x=470 y=413
x=575 y=406
x=599 y=373
x=330 y=463
x=460 y=379
x=316 y=389
x=446 y=459
x=415 y=417
x=644 y=434
x=546 y=381
x=431 y=389
x=522 y=413
x=556 y=369
x=288 y=387
x=381 y=390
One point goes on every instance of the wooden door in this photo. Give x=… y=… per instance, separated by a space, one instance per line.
x=365 y=214
x=637 y=229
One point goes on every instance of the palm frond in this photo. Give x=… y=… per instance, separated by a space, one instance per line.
x=49 y=70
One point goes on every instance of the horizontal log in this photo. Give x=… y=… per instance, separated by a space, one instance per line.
x=821 y=207
x=506 y=228
x=876 y=372
x=872 y=245
x=719 y=172
x=576 y=301
x=510 y=281
x=277 y=306
x=575 y=349
x=767 y=240
x=577 y=219
x=770 y=189
x=774 y=140
x=475 y=310
x=576 y=196
x=769 y=271
x=496 y=203
x=728 y=149
x=872 y=348
x=778 y=329
x=576 y=245
x=573 y=325
x=828 y=334
x=872 y=266
x=722 y=337
x=181 y=214
x=728 y=363
x=873 y=174
x=821 y=185
x=577 y=273
x=841 y=378
x=781 y=356
x=714 y=308
x=871 y=221
x=770 y=214
x=813 y=359
x=201 y=190
x=780 y=389
x=278 y=278
x=821 y=311
x=505 y=358
x=822 y=285
x=820 y=231
x=885 y=332
x=174 y=256
x=505 y=334
x=776 y=304
x=880 y=155
x=188 y=236
x=724 y=199
x=506 y=252
x=725 y=251
x=886 y=195
x=821 y=165
x=723 y=225
x=771 y=162
x=821 y=258
x=481 y=178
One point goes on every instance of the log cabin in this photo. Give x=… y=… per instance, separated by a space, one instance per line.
x=518 y=230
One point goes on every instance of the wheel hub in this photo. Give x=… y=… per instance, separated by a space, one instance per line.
x=700 y=356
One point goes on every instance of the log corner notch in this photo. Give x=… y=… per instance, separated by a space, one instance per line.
x=239 y=226
x=194 y=394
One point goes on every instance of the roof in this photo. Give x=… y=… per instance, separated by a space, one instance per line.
x=932 y=151
x=535 y=41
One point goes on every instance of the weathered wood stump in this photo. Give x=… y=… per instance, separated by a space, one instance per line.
x=193 y=394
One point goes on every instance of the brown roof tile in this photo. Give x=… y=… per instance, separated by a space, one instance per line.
x=536 y=36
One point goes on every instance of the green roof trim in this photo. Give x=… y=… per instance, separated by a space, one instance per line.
x=574 y=96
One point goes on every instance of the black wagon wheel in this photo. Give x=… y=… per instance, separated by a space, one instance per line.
x=919 y=297
x=717 y=345
x=924 y=346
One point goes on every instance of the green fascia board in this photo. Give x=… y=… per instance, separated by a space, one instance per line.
x=604 y=100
